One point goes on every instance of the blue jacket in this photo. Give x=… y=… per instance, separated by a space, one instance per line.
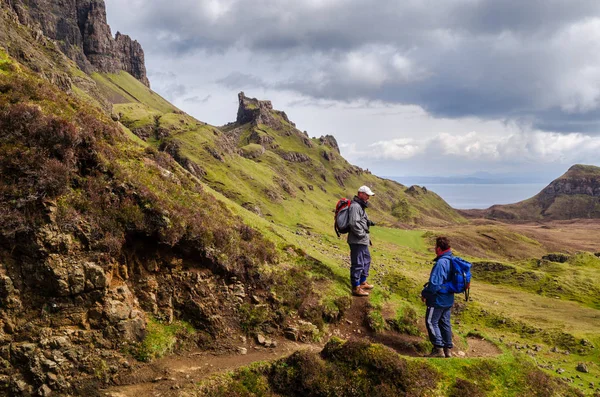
x=434 y=292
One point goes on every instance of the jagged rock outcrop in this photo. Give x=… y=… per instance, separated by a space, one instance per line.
x=328 y=156
x=262 y=139
x=329 y=140
x=251 y=110
x=80 y=29
x=294 y=157
x=416 y=190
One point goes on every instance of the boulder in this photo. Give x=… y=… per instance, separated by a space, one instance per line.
x=66 y=276
x=117 y=311
x=560 y=258
x=76 y=281
x=95 y=277
x=292 y=333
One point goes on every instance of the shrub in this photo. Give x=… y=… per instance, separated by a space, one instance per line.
x=463 y=387
x=406 y=321
x=375 y=320
x=253 y=317
x=162 y=339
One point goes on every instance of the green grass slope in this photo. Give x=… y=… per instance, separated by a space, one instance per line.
x=274 y=170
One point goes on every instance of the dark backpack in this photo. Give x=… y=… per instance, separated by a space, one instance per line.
x=341 y=218
x=459 y=280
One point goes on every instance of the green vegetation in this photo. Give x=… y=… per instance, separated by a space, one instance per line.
x=375 y=319
x=5 y=64
x=407 y=320
x=124 y=85
x=359 y=369
x=162 y=339
x=253 y=317
x=264 y=178
x=252 y=151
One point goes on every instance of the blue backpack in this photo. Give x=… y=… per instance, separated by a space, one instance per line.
x=459 y=280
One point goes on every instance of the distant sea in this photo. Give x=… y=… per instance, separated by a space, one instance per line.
x=478 y=195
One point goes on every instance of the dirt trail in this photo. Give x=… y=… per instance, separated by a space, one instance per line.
x=354 y=326
x=176 y=374
x=171 y=375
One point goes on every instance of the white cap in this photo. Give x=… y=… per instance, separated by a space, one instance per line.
x=365 y=189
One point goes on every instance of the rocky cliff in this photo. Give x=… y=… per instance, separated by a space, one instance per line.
x=80 y=29
x=251 y=110
x=578 y=180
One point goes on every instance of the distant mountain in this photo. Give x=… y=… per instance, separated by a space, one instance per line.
x=576 y=194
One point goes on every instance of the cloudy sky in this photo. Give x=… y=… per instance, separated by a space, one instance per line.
x=412 y=87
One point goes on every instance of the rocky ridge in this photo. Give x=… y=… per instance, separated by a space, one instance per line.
x=251 y=110
x=80 y=29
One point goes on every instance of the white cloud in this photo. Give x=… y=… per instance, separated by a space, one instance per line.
x=518 y=147
x=373 y=66
x=397 y=149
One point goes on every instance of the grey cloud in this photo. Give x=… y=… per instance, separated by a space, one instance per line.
x=161 y=75
x=172 y=91
x=555 y=120
x=513 y=59
x=237 y=81
x=274 y=24
x=197 y=99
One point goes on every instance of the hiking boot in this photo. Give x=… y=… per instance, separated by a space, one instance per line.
x=366 y=285
x=447 y=352
x=436 y=352
x=357 y=291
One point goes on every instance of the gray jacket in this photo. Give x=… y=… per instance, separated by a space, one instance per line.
x=359 y=223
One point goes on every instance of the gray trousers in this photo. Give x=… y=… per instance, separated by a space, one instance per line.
x=439 y=327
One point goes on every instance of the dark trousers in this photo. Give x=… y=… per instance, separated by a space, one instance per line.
x=360 y=263
x=439 y=327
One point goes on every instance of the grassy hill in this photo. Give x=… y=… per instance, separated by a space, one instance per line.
x=272 y=169
x=130 y=230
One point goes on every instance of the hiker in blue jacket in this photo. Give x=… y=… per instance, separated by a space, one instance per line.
x=439 y=301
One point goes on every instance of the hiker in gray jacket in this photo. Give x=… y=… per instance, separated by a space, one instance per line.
x=358 y=239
